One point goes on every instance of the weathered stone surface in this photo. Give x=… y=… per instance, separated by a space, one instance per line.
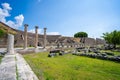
x=8 y=68
x=25 y=36
x=10 y=48
x=24 y=70
x=45 y=37
x=14 y=66
x=36 y=36
x=29 y=50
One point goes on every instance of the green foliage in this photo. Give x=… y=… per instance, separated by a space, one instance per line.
x=70 y=67
x=80 y=34
x=2 y=33
x=0 y=58
x=116 y=53
x=112 y=37
x=6 y=29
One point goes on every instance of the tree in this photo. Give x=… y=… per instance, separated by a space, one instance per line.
x=112 y=37
x=80 y=34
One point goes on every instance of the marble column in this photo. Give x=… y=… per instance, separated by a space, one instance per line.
x=10 y=45
x=45 y=37
x=25 y=36
x=36 y=36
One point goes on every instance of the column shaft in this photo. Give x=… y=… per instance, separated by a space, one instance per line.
x=25 y=36
x=10 y=45
x=36 y=36
x=45 y=37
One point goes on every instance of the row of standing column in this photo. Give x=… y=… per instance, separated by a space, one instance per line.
x=36 y=36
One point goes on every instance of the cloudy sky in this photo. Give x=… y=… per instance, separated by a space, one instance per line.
x=64 y=17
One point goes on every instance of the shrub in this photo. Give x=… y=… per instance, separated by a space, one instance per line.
x=2 y=33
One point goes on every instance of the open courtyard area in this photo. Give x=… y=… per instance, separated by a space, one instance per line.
x=59 y=39
x=72 y=67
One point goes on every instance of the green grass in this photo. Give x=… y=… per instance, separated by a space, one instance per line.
x=0 y=58
x=71 y=67
x=115 y=52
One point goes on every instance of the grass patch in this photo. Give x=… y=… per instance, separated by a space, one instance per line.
x=0 y=58
x=70 y=67
x=16 y=69
x=115 y=52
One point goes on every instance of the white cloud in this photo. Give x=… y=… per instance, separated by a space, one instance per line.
x=19 y=20
x=6 y=6
x=53 y=33
x=4 y=12
x=33 y=31
x=40 y=31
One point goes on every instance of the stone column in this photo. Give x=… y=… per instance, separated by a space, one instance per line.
x=10 y=45
x=45 y=37
x=25 y=36
x=36 y=36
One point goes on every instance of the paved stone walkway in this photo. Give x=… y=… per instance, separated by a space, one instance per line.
x=8 y=68
x=14 y=67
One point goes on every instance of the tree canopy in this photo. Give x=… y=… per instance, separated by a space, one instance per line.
x=80 y=34
x=112 y=37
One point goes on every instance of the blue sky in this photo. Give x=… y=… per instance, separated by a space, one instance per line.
x=64 y=17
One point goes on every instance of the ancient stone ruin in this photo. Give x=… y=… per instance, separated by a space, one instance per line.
x=26 y=39
x=10 y=47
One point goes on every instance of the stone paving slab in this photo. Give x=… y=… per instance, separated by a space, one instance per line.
x=24 y=70
x=8 y=68
x=14 y=67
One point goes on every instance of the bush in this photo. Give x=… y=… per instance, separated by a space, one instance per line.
x=2 y=33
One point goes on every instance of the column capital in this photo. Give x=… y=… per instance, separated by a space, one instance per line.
x=25 y=25
x=45 y=28
x=36 y=27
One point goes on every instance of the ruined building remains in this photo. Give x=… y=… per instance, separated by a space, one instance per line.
x=26 y=39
